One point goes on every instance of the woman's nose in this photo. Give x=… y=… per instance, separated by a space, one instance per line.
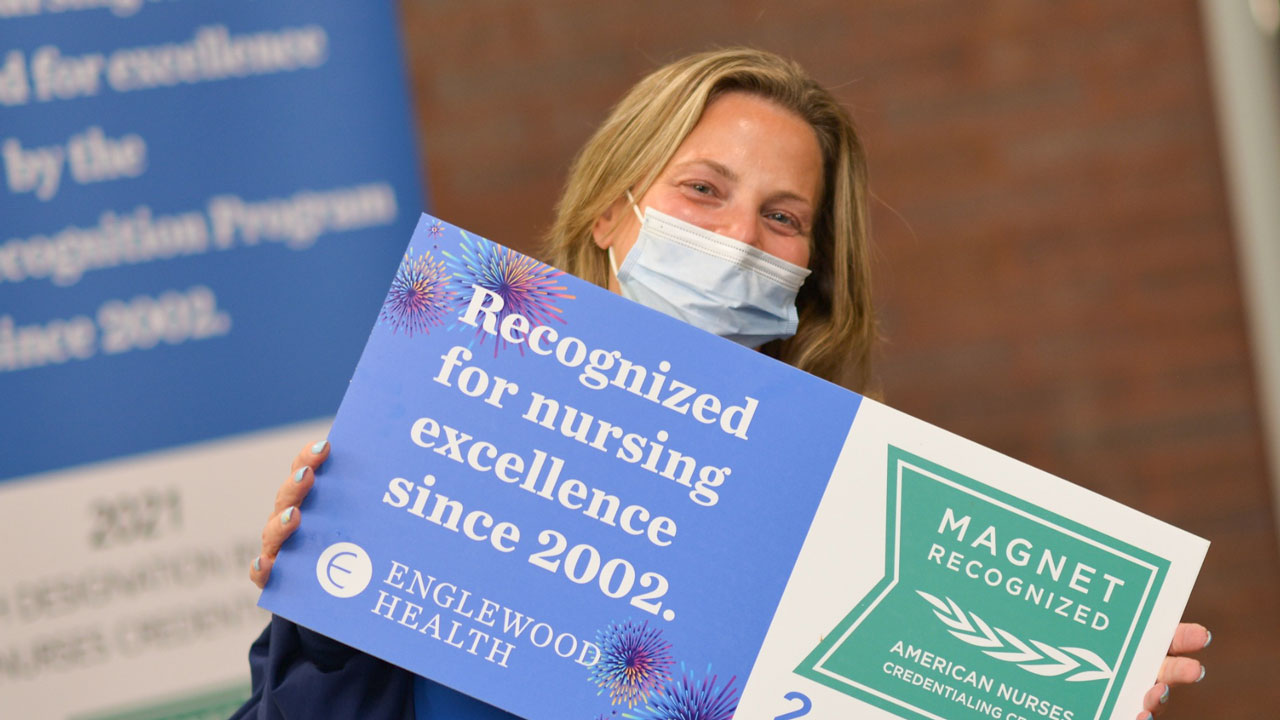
x=743 y=225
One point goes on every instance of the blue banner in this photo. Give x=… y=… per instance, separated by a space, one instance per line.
x=200 y=204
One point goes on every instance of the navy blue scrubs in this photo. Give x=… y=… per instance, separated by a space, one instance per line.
x=297 y=673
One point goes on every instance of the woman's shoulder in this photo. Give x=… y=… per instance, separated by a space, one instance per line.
x=298 y=673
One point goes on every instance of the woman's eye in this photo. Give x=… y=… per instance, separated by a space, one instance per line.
x=785 y=219
x=701 y=188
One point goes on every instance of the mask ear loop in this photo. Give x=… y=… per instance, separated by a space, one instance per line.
x=613 y=263
x=634 y=207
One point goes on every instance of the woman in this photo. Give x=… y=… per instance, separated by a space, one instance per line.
x=739 y=143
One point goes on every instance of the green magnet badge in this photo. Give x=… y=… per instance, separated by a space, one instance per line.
x=990 y=607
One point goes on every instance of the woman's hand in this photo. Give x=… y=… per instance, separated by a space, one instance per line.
x=286 y=516
x=1176 y=669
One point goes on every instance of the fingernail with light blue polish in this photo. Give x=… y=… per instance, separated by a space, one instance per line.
x=257 y=564
x=302 y=472
x=1208 y=639
x=319 y=447
x=1164 y=697
x=286 y=517
x=1202 y=672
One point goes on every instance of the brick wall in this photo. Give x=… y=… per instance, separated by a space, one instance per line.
x=1055 y=268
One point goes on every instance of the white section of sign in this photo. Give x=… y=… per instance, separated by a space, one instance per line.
x=843 y=559
x=127 y=581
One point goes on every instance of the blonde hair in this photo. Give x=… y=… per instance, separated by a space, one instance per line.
x=643 y=131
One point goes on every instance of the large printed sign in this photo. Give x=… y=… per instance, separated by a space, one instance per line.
x=199 y=203
x=568 y=505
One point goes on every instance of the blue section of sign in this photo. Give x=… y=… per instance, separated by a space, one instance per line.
x=537 y=510
x=200 y=203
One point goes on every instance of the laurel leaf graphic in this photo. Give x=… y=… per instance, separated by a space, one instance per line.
x=1055 y=653
x=1087 y=675
x=1022 y=653
x=1043 y=659
x=989 y=638
x=933 y=601
x=1100 y=671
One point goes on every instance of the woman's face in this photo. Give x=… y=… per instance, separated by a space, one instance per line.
x=750 y=170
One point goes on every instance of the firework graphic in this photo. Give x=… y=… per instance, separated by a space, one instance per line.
x=634 y=662
x=420 y=295
x=525 y=285
x=435 y=229
x=689 y=698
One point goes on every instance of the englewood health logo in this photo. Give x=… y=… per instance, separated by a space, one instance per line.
x=344 y=569
x=990 y=607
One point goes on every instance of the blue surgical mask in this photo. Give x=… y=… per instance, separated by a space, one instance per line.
x=710 y=281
